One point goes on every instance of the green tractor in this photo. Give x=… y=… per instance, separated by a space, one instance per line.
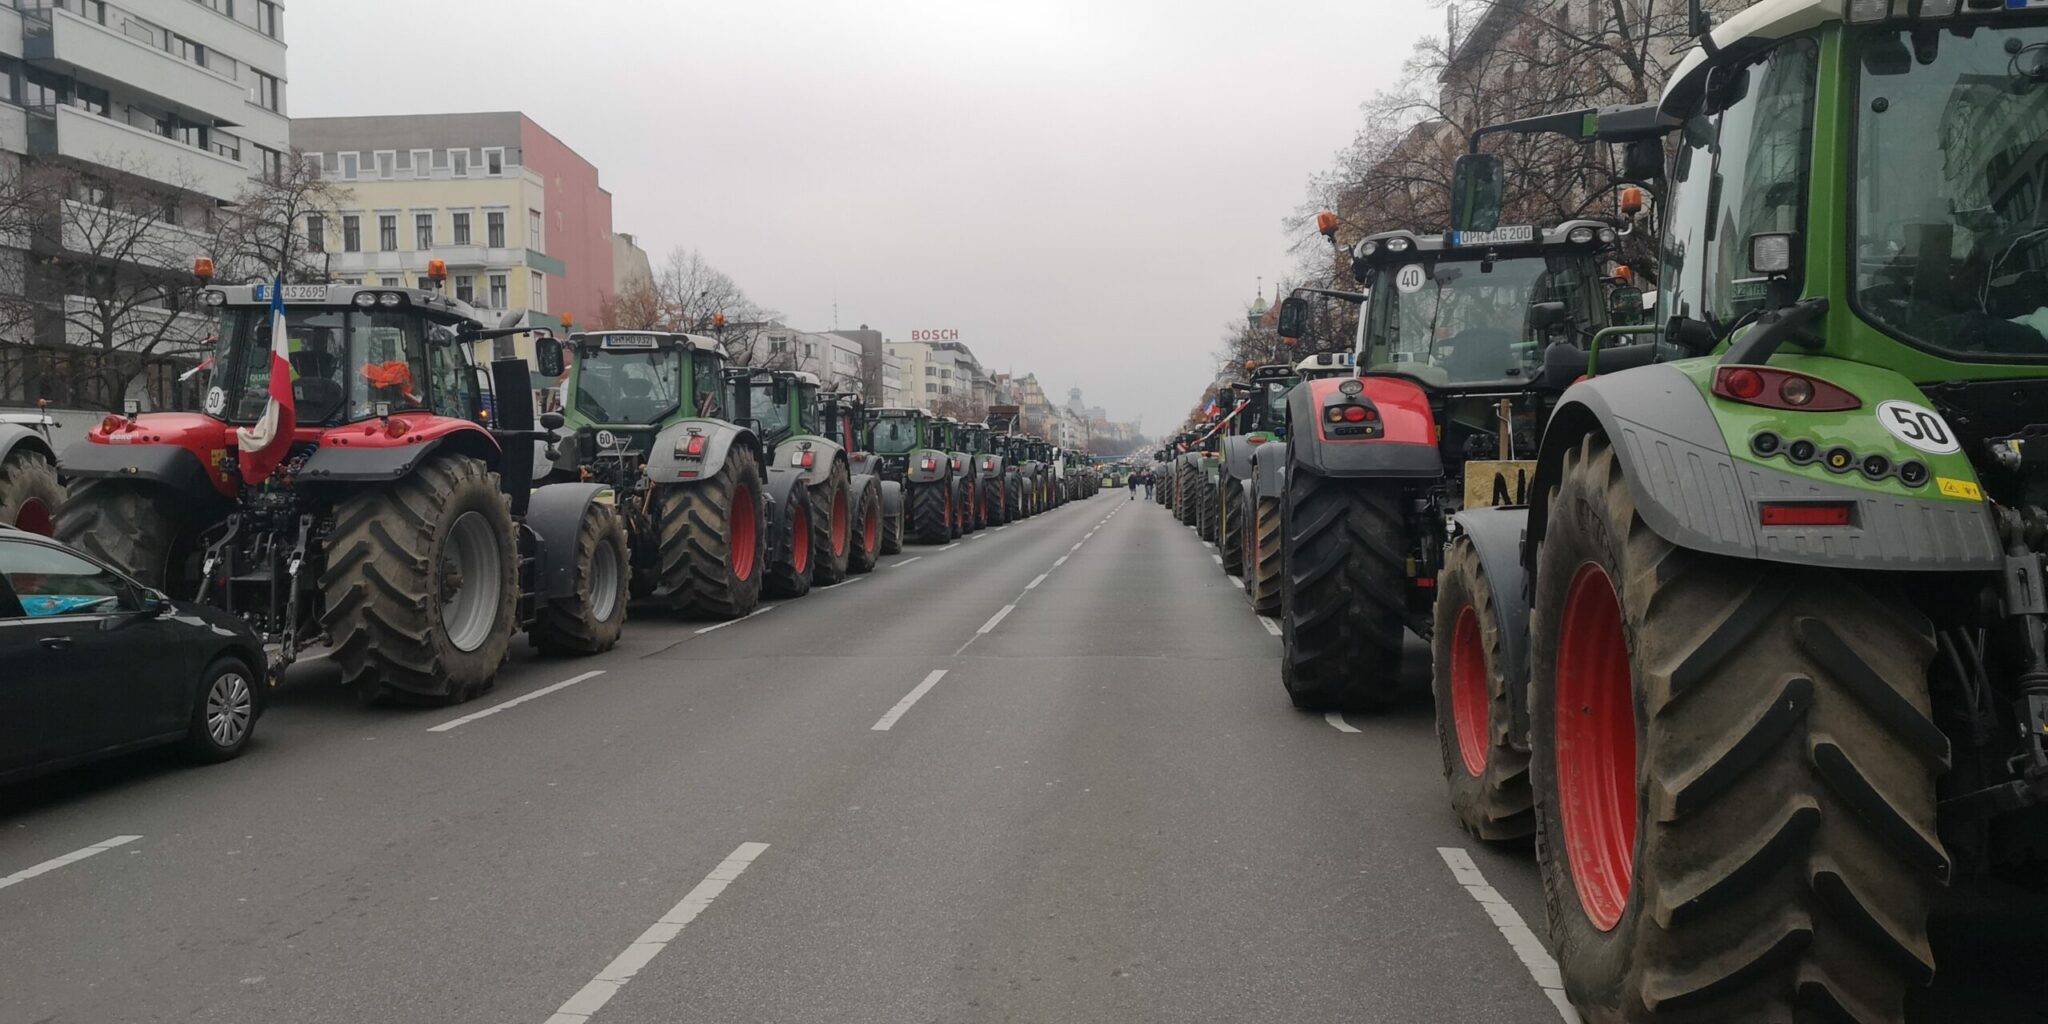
x=991 y=475
x=644 y=413
x=1763 y=664
x=772 y=404
x=877 y=503
x=959 y=438
x=1258 y=417
x=808 y=434
x=909 y=448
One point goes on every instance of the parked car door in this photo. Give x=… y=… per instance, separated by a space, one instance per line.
x=112 y=669
x=31 y=688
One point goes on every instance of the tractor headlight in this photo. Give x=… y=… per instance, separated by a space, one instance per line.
x=366 y=300
x=214 y=298
x=1869 y=10
x=390 y=300
x=1368 y=248
x=1397 y=245
x=1580 y=235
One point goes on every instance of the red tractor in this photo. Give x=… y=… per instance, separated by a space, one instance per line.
x=402 y=526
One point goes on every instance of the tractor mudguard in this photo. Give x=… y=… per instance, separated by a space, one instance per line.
x=1268 y=474
x=990 y=465
x=780 y=480
x=1497 y=538
x=892 y=498
x=1237 y=456
x=14 y=436
x=864 y=462
x=914 y=471
x=1695 y=494
x=665 y=466
x=173 y=466
x=339 y=462
x=1403 y=444
x=555 y=514
x=857 y=488
x=824 y=451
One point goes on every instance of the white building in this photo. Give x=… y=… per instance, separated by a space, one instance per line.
x=937 y=370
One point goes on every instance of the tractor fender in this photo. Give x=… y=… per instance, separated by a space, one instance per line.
x=1268 y=476
x=1404 y=447
x=1237 y=455
x=555 y=513
x=991 y=465
x=826 y=453
x=914 y=473
x=343 y=459
x=892 y=498
x=1695 y=494
x=1496 y=535
x=15 y=437
x=664 y=466
x=781 y=482
x=863 y=462
x=857 y=486
x=173 y=466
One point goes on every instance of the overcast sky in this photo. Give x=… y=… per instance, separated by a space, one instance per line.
x=1087 y=189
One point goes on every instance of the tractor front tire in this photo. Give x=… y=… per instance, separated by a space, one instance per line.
x=1734 y=772
x=710 y=540
x=30 y=495
x=1343 y=596
x=789 y=572
x=832 y=528
x=140 y=528
x=589 y=620
x=421 y=586
x=867 y=532
x=929 y=508
x=1262 y=557
x=1230 y=531
x=1488 y=777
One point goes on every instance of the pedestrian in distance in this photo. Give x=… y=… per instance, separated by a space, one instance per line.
x=1134 y=486
x=1148 y=483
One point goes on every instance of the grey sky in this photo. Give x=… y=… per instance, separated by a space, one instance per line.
x=1084 y=189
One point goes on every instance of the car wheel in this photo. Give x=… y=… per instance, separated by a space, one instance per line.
x=224 y=715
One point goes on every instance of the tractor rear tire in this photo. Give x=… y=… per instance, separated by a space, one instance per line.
x=832 y=528
x=1013 y=499
x=1230 y=531
x=956 y=509
x=1734 y=771
x=590 y=619
x=712 y=544
x=1186 y=503
x=1262 y=557
x=30 y=495
x=1487 y=776
x=867 y=542
x=140 y=528
x=892 y=530
x=1207 y=513
x=929 y=511
x=394 y=565
x=1343 y=597
x=992 y=504
x=789 y=573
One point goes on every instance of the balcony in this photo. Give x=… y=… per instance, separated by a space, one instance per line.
x=78 y=135
x=459 y=258
x=96 y=231
x=70 y=44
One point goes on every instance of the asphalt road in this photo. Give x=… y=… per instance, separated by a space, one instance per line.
x=1044 y=774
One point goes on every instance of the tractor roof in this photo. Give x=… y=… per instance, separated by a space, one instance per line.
x=1763 y=21
x=1392 y=248
x=629 y=340
x=358 y=296
x=1273 y=371
x=1326 y=361
x=898 y=410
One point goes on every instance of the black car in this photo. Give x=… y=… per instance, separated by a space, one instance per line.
x=94 y=664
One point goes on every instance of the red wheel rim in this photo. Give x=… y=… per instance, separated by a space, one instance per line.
x=800 y=540
x=840 y=530
x=949 y=508
x=34 y=516
x=743 y=541
x=1468 y=692
x=1596 y=746
x=871 y=530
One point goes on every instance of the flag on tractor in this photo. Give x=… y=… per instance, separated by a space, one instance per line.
x=263 y=446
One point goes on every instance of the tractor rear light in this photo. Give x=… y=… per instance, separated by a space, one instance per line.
x=1255 y=439
x=1334 y=414
x=1355 y=414
x=803 y=460
x=1773 y=388
x=927 y=463
x=396 y=427
x=692 y=448
x=113 y=424
x=1808 y=513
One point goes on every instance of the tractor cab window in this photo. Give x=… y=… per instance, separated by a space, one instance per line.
x=1469 y=322
x=387 y=363
x=628 y=387
x=454 y=387
x=342 y=362
x=773 y=416
x=894 y=435
x=705 y=368
x=1951 y=187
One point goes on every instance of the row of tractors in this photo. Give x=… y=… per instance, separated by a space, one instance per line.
x=1739 y=614
x=425 y=512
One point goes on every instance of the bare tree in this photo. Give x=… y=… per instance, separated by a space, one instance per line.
x=269 y=228
x=965 y=408
x=687 y=293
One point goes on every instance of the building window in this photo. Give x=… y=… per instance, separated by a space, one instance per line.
x=422 y=163
x=391 y=282
x=465 y=288
x=930 y=388
x=185 y=49
x=499 y=299
x=494 y=162
x=266 y=18
x=351 y=165
x=387 y=232
x=351 y=233
x=273 y=162
x=462 y=227
x=458 y=162
x=316 y=233
x=269 y=92
x=533 y=231
x=931 y=371
x=423 y=231
x=537 y=291
x=494 y=229
x=387 y=164
x=94 y=10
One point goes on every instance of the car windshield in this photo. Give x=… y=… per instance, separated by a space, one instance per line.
x=894 y=435
x=1467 y=322
x=1951 y=177
x=344 y=363
x=628 y=387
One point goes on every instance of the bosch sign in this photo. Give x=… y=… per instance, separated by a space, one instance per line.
x=936 y=334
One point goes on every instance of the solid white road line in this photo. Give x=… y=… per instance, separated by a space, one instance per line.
x=1271 y=626
x=996 y=619
x=1234 y=581
x=763 y=610
x=1527 y=946
x=516 y=701
x=1033 y=585
x=906 y=561
x=1337 y=720
x=882 y=724
x=70 y=858
x=948 y=547
x=592 y=997
x=844 y=582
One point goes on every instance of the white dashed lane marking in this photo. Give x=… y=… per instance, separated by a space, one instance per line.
x=70 y=858
x=1337 y=722
x=882 y=724
x=521 y=699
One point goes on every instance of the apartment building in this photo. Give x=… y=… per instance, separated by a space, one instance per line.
x=518 y=217
x=153 y=115
x=941 y=370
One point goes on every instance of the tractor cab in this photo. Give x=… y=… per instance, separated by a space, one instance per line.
x=624 y=387
x=781 y=403
x=899 y=436
x=839 y=418
x=1267 y=413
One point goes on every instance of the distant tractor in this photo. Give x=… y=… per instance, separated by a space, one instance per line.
x=647 y=411
x=399 y=527
x=1266 y=489
x=771 y=402
x=873 y=499
x=906 y=443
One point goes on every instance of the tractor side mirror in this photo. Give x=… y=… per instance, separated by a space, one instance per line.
x=547 y=352
x=1545 y=317
x=552 y=421
x=1643 y=159
x=1294 y=317
x=1476 y=192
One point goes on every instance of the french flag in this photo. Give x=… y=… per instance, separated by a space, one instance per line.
x=262 y=446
